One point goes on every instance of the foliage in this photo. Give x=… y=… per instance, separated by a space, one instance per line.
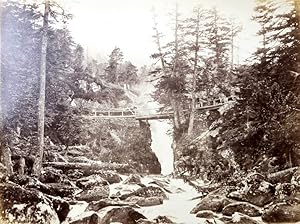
x=264 y=120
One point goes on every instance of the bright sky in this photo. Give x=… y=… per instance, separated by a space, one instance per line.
x=100 y=25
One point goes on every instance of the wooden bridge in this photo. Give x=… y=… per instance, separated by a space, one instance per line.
x=147 y=114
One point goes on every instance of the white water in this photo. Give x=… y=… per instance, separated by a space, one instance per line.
x=178 y=206
x=161 y=144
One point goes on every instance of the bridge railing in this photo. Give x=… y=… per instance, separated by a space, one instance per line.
x=213 y=103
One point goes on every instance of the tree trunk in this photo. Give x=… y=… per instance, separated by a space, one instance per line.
x=41 y=104
x=194 y=84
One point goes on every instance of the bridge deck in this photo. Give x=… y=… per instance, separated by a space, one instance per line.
x=133 y=113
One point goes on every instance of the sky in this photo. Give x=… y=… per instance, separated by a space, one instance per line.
x=101 y=25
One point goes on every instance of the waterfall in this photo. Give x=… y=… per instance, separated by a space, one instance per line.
x=161 y=144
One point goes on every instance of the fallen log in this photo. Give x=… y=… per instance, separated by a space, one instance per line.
x=283 y=176
x=87 y=166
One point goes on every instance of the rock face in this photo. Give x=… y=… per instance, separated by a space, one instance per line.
x=241 y=207
x=25 y=206
x=282 y=213
x=212 y=202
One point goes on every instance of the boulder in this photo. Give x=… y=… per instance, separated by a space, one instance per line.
x=110 y=176
x=94 y=194
x=255 y=191
x=91 y=181
x=238 y=218
x=62 y=190
x=162 y=219
x=283 y=176
x=213 y=202
x=86 y=218
x=118 y=190
x=282 y=212
x=144 y=202
x=150 y=191
x=133 y=179
x=242 y=207
x=61 y=207
x=284 y=190
x=295 y=180
x=51 y=175
x=20 y=205
x=75 y=174
x=97 y=205
x=120 y=214
x=207 y=214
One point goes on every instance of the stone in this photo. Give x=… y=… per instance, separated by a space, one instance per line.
x=91 y=181
x=295 y=180
x=117 y=191
x=61 y=207
x=284 y=190
x=144 y=202
x=207 y=214
x=120 y=214
x=149 y=191
x=282 y=212
x=94 y=194
x=213 y=202
x=110 y=176
x=255 y=191
x=86 y=218
x=133 y=179
x=162 y=219
x=62 y=190
x=20 y=205
x=51 y=175
x=242 y=207
x=75 y=174
x=238 y=218
x=97 y=205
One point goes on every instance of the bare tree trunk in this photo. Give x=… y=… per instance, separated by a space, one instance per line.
x=161 y=57
x=41 y=104
x=297 y=8
x=174 y=101
x=193 y=105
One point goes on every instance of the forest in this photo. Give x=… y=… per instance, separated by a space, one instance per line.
x=64 y=162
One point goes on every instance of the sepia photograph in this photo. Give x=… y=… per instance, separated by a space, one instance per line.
x=149 y=111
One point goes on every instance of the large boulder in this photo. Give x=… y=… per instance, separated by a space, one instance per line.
x=207 y=214
x=149 y=191
x=242 y=207
x=118 y=190
x=213 y=202
x=20 y=205
x=120 y=214
x=89 y=217
x=94 y=194
x=282 y=212
x=255 y=190
x=51 y=175
x=97 y=205
x=110 y=176
x=133 y=179
x=91 y=181
x=144 y=202
x=238 y=218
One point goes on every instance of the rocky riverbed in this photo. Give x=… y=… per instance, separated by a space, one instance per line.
x=110 y=197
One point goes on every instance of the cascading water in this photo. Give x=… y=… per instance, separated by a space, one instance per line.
x=161 y=144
